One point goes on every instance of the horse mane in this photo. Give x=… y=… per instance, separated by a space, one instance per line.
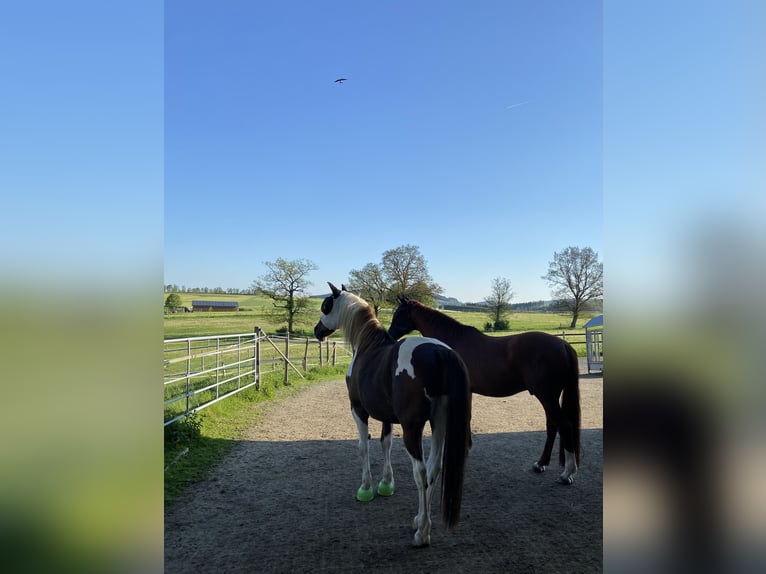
x=441 y=321
x=359 y=324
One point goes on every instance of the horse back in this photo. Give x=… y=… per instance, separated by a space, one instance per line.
x=425 y=369
x=541 y=359
x=504 y=366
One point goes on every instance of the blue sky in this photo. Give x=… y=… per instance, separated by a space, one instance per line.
x=233 y=124
x=470 y=131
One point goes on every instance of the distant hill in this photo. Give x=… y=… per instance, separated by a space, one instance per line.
x=439 y=300
x=533 y=306
x=453 y=304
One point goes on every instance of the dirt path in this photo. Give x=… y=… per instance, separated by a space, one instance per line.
x=283 y=500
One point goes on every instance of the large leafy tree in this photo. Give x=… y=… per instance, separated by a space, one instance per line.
x=575 y=276
x=286 y=284
x=402 y=271
x=173 y=300
x=406 y=273
x=499 y=301
x=370 y=284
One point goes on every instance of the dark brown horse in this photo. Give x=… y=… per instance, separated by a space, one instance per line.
x=540 y=363
x=408 y=383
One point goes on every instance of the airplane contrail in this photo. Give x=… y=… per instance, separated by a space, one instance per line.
x=517 y=105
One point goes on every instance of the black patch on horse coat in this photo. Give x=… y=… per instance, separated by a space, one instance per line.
x=327 y=305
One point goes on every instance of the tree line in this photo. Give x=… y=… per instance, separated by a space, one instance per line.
x=173 y=288
x=575 y=277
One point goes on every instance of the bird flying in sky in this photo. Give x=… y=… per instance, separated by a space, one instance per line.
x=339 y=81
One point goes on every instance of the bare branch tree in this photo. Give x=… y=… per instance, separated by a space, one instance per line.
x=499 y=301
x=576 y=277
x=286 y=283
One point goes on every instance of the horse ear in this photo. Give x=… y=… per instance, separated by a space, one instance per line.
x=403 y=299
x=343 y=287
x=335 y=291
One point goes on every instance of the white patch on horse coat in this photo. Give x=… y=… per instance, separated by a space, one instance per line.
x=350 y=366
x=408 y=346
x=364 y=456
x=570 y=465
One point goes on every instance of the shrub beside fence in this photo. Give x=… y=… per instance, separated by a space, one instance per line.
x=200 y=371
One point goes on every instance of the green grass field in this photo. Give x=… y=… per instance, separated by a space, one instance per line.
x=259 y=311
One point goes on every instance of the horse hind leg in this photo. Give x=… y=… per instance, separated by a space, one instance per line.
x=364 y=493
x=386 y=484
x=545 y=458
x=556 y=423
x=436 y=454
x=413 y=442
x=567 y=456
x=570 y=468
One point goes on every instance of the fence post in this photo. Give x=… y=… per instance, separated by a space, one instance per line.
x=306 y=355
x=287 y=355
x=218 y=365
x=321 y=363
x=188 y=373
x=257 y=357
x=334 y=350
x=239 y=362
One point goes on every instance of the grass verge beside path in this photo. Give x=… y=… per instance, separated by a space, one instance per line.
x=195 y=444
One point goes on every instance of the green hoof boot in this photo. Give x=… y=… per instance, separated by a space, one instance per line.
x=385 y=489
x=365 y=494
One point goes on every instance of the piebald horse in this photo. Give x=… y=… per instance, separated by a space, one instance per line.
x=408 y=383
x=540 y=363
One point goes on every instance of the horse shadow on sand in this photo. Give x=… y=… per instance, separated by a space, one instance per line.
x=290 y=507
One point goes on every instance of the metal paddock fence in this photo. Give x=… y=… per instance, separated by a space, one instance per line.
x=200 y=371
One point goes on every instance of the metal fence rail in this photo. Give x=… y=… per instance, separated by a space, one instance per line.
x=200 y=371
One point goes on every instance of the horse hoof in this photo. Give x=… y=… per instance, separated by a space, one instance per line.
x=567 y=481
x=365 y=494
x=539 y=467
x=420 y=542
x=385 y=489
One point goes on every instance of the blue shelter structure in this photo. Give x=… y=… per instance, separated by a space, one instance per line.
x=594 y=341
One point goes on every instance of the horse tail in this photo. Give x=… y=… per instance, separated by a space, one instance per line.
x=457 y=437
x=570 y=402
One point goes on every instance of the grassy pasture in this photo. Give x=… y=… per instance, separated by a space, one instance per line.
x=255 y=310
